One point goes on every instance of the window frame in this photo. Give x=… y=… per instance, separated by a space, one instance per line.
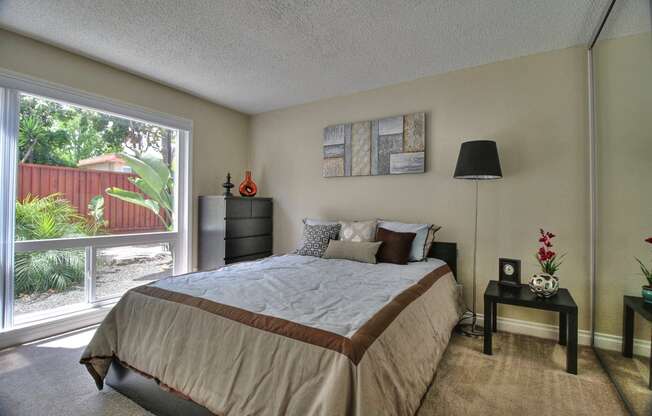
x=11 y=86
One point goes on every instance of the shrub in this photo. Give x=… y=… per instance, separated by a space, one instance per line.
x=42 y=271
x=41 y=218
x=49 y=217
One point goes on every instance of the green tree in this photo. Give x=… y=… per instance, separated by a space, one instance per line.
x=39 y=137
x=31 y=132
x=90 y=134
x=142 y=138
x=57 y=134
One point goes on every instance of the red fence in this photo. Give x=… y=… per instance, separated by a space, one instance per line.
x=79 y=186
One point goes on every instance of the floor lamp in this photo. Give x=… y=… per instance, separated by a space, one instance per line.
x=477 y=161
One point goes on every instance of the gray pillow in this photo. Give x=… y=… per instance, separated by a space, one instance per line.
x=362 y=251
x=316 y=238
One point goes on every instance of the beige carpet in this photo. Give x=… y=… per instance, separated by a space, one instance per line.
x=631 y=375
x=525 y=376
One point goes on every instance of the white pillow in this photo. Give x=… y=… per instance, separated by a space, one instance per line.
x=358 y=231
x=418 y=249
x=430 y=239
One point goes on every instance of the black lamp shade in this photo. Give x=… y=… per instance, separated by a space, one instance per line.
x=478 y=160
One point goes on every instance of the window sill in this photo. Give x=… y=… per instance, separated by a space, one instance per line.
x=44 y=328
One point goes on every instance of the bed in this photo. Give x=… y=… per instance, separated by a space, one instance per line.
x=285 y=335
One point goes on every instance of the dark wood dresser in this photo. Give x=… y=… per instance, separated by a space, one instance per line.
x=233 y=229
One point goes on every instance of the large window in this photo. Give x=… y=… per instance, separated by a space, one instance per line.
x=94 y=200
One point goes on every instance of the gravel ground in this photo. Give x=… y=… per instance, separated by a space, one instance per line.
x=118 y=269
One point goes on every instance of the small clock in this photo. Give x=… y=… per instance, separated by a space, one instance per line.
x=509 y=272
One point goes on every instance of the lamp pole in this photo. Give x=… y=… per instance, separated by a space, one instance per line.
x=475 y=256
x=478 y=160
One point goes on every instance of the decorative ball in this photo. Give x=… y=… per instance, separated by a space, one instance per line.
x=544 y=285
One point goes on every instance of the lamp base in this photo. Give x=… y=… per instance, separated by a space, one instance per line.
x=472 y=330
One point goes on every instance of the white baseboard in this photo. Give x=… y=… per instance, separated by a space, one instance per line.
x=535 y=329
x=614 y=343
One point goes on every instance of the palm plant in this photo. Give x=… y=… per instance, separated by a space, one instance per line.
x=41 y=271
x=96 y=220
x=155 y=181
x=39 y=218
x=30 y=132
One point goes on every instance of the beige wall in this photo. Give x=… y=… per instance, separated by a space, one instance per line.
x=534 y=107
x=220 y=135
x=623 y=79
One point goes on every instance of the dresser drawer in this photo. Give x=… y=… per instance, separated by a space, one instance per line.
x=261 y=208
x=238 y=208
x=238 y=247
x=248 y=227
x=247 y=258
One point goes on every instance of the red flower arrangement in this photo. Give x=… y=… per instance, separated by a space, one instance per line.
x=647 y=272
x=546 y=257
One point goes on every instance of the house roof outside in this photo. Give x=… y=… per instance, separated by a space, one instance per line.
x=107 y=158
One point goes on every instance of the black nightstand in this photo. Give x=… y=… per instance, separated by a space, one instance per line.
x=562 y=302
x=633 y=304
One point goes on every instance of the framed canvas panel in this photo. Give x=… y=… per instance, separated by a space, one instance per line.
x=387 y=146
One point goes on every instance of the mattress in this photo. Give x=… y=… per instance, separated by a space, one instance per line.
x=287 y=335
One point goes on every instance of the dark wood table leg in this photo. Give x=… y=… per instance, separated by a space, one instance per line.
x=571 y=349
x=488 y=307
x=563 y=331
x=628 y=331
x=494 y=316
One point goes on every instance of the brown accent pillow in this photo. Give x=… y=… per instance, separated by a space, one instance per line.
x=396 y=246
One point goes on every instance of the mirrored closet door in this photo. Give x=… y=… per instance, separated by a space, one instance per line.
x=621 y=61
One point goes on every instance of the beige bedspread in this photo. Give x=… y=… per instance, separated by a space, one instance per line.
x=234 y=361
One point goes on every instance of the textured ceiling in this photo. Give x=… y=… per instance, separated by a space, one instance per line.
x=256 y=56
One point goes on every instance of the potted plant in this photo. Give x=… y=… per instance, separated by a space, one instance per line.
x=546 y=283
x=647 y=272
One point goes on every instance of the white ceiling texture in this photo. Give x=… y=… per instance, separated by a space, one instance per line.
x=257 y=56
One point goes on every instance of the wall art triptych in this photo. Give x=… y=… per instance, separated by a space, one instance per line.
x=387 y=146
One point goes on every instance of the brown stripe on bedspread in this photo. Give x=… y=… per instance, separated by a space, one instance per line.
x=354 y=348
x=267 y=323
x=374 y=327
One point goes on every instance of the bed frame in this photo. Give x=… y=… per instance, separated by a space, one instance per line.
x=446 y=252
x=147 y=393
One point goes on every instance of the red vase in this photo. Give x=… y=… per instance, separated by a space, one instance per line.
x=248 y=186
